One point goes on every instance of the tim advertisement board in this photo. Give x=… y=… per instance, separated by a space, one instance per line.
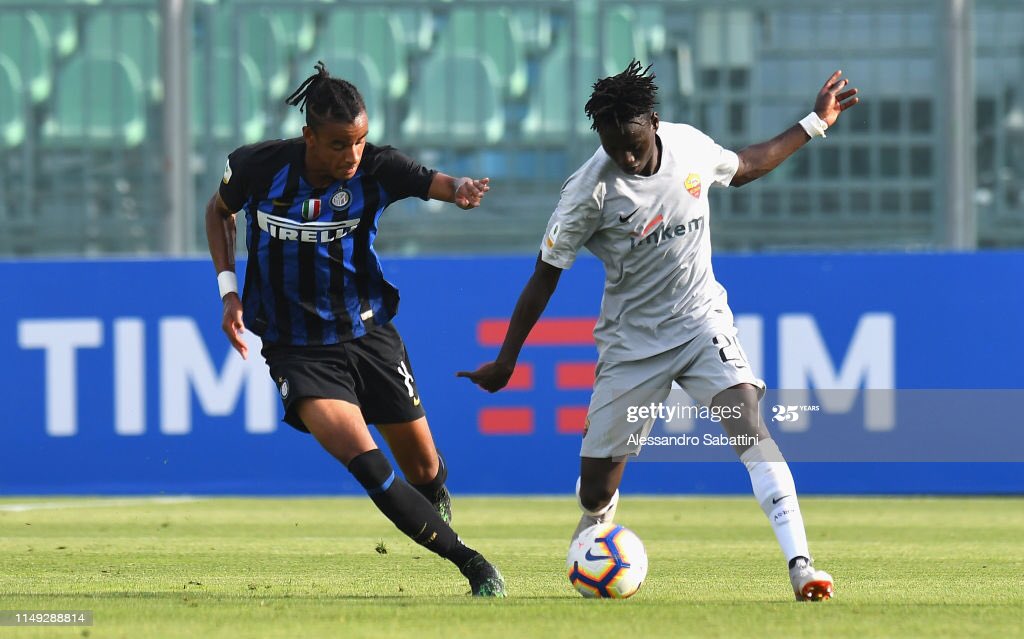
x=898 y=374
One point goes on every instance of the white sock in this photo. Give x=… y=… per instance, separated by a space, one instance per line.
x=596 y=513
x=775 y=491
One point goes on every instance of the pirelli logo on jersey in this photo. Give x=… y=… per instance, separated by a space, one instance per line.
x=281 y=228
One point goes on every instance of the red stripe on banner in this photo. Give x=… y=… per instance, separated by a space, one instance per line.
x=522 y=378
x=570 y=420
x=550 y=332
x=505 y=421
x=575 y=375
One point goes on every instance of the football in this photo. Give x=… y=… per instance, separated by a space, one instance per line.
x=607 y=561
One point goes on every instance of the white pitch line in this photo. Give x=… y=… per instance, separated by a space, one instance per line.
x=95 y=503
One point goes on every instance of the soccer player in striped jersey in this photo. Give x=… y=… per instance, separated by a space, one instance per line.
x=640 y=204
x=315 y=293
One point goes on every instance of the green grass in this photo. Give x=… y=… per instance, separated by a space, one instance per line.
x=309 y=568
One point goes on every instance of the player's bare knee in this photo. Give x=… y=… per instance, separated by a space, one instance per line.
x=419 y=472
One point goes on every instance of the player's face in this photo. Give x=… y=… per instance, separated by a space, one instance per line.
x=634 y=147
x=337 y=147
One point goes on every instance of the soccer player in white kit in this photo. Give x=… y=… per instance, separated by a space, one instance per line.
x=640 y=205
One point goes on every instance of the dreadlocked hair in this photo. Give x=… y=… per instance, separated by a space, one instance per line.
x=324 y=98
x=622 y=98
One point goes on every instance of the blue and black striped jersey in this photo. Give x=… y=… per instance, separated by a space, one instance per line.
x=313 y=276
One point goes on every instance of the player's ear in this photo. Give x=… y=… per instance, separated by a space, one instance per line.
x=308 y=135
x=654 y=120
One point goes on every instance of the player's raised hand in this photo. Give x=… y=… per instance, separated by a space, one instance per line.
x=232 y=323
x=834 y=98
x=469 y=193
x=492 y=377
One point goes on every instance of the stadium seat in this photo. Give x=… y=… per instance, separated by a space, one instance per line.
x=298 y=23
x=136 y=34
x=25 y=40
x=360 y=70
x=417 y=29
x=492 y=34
x=441 y=114
x=556 y=103
x=622 y=40
x=650 y=20
x=375 y=33
x=63 y=31
x=12 y=114
x=534 y=28
x=262 y=37
x=226 y=98
x=99 y=102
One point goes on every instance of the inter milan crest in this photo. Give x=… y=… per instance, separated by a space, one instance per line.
x=311 y=210
x=341 y=199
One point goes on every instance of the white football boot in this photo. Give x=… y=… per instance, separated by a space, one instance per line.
x=810 y=584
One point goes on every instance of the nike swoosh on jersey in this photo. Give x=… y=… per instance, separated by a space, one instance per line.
x=625 y=218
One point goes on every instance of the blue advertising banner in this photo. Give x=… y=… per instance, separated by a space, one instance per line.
x=117 y=378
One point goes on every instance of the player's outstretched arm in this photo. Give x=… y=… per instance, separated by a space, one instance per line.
x=533 y=300
x=220 y=237
x=465 y=192
x=758 y=159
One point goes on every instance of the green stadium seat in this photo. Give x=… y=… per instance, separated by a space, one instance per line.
x=25 y=40
x=232 y=112
x=360 y=70
x=131 y=32
x=444 y=111
x=417 y=29
x=12 y=106
x=63 y=31
x=375 y=33
x=299 y=29
x=534 y=28
x=263 y=37
x=622 y=40
x=492 y=34
x=555 y=105
x=99 y=102
x=650 y=21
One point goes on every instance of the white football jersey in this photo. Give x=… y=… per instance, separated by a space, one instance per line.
x=653 y=235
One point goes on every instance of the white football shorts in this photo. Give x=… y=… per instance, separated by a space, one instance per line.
x=703 y=367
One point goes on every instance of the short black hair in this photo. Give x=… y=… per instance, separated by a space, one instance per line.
x=623 y=97
x=324 y=98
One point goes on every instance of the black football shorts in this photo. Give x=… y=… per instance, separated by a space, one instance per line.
x=372 y=372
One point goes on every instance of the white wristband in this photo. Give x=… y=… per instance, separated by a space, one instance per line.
x=814 y=125
x=227 y=282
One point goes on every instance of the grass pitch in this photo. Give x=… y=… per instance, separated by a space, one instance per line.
x=237 y=568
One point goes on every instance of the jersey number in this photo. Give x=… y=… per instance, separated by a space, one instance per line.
x=729 y=350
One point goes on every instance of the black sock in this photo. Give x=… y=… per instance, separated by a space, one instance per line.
x=434 y=486
x=407 y=509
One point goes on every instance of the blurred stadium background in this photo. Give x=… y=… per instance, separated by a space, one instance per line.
x=116 y=104
x=894 y=236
